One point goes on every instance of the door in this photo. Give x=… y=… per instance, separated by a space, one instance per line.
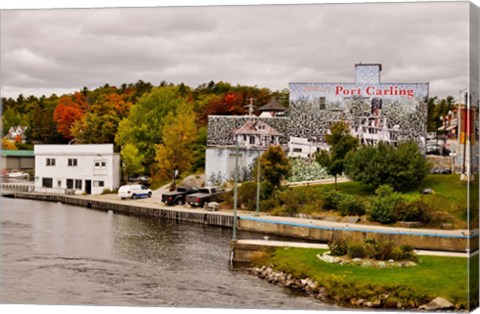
x=88 y=186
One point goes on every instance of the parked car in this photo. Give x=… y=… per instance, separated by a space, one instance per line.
x=134 y=191
x=178 y=196
x=441 y=170
x=205 y=195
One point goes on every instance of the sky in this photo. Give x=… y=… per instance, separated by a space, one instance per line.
x=45 y=51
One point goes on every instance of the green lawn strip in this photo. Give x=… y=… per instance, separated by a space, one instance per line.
x=435 y=276
x=450 y=194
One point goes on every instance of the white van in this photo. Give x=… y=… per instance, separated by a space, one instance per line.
x=134 y=191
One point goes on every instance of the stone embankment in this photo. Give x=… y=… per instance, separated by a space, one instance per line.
x=313 y=289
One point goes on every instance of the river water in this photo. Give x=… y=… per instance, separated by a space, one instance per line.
x=53 y=253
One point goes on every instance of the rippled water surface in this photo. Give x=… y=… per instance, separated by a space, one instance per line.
x=53 y=253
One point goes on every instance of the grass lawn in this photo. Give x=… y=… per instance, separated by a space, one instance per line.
x=434 y=276
x=450 y=193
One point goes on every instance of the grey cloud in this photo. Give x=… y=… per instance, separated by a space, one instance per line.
x=267 y=46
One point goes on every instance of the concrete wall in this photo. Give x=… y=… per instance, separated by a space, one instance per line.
x=427 y=241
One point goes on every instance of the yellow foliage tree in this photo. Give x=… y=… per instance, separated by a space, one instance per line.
x=8 y=145
x=176 y=153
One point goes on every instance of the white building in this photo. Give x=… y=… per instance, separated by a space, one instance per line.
x=81 y=168
x=299 y=147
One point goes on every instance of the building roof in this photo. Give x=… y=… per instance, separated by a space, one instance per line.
x=273 y=105
x=17 y=153
x=253 y=127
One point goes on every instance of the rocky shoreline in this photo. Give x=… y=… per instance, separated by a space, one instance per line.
x=311 y=288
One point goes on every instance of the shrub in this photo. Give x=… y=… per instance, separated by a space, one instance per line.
x=349 y=205
x=338 y=247
x=356 y=250
x=402 y=167
x=331 y=199
x=384 y=207
x=268 y=205
x=247 y=194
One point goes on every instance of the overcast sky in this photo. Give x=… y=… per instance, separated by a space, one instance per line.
x=63 y=50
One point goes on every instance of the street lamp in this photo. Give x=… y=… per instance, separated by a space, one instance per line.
x=258 y=183
x=235 y=191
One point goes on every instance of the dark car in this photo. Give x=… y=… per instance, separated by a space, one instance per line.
x=178 y=196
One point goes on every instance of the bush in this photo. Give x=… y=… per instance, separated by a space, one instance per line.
x=338 y=247
x=384 y=207
x=349 y=205
x=356 y=250
x=331 y=199
x=268 y=205
x=403 y=167
x=371 y=248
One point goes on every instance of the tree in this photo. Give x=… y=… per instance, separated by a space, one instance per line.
x=341 y=142
x=144 y=125
x=403 y=167
x=131 y=161
x=70 y=108
x=8 y=145
x=176 y=153
x=274 y=165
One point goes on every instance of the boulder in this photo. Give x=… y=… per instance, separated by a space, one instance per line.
x=427 y=191
x=194 y=180
x=437 y=304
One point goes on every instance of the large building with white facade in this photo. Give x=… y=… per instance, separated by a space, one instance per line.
x=76 y=169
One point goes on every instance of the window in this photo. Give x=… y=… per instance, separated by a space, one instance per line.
x=78 y=184
x=50 y=161
x=69 y=183
x=59 y=184
x=100 y=163
x=297 y=150
x=322 y=103
x=72 y=162
x=252 y=139
x=98 y=183
x=47 y=182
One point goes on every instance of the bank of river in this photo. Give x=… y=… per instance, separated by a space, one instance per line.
x=53 y=253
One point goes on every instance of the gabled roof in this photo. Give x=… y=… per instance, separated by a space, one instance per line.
x=273 y=105
x=253 y=127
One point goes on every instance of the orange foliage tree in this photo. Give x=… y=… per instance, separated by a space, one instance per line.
x=69 y=110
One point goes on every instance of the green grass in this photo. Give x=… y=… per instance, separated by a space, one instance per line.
x=433 y=277
x=450 y=194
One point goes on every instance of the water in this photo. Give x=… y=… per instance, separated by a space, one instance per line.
x=53 y=253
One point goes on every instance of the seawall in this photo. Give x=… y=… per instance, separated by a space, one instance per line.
x=312 y=230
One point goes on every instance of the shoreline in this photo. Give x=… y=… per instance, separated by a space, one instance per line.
x=319 y=231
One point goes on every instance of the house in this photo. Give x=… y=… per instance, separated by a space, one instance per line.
x=256 y=133
x=272 y=109
x=17 y=159
x=82 y=168
x=17 y=133
x=299 y=147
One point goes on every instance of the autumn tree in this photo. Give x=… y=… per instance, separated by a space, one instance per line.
x=131 y=161
x=176 y=152
x=275 y=166
x=144 y=125
x=100 y=123
x=70 y=108
x=341 y=142
x=8 y=145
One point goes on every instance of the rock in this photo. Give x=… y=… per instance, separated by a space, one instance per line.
x=437 y=304
x=447 y=226
x=366 y=264
x=391 y=261
x=357 y=261
x=194 y=180
x=427 y=191
x=410 y=224
x=381 y=264
x=360 y=302
x=353 y=220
